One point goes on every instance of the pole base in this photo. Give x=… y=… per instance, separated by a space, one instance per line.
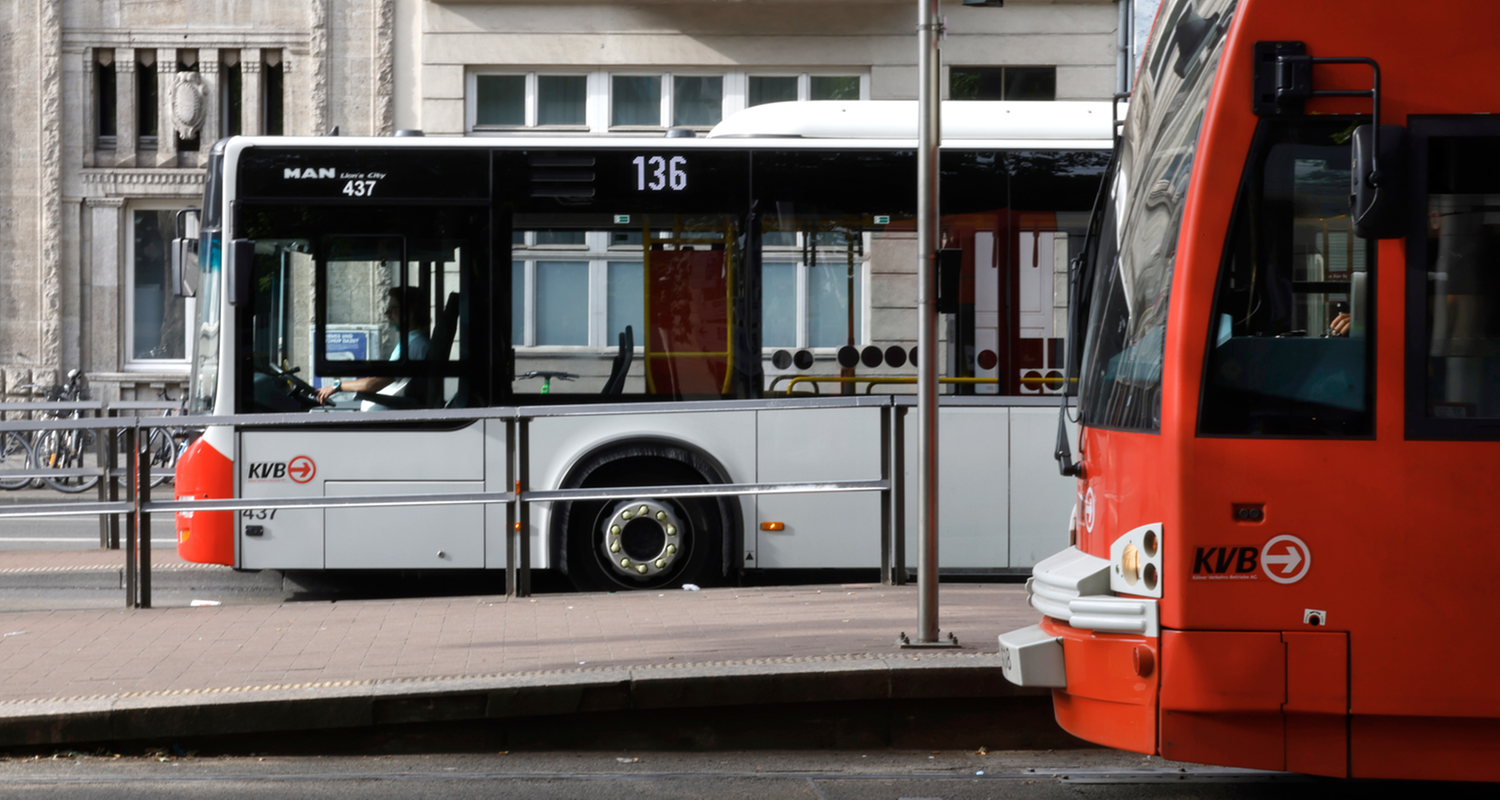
x=948 y=643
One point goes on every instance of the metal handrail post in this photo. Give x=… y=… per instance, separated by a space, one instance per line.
x=510 y=510
x=898 y=490
x=131 y=476
x=143 y=485
x=523 y=508
x=886 y=495
x=103 y=443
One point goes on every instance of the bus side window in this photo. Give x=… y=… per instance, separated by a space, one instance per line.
x=1290 y=339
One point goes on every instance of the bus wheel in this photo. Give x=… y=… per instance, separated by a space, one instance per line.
x=644 y=542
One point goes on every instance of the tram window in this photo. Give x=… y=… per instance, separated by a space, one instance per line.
x=1461 y=244
x=1290 y=340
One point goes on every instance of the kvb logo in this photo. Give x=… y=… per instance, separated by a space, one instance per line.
x=1284 y=559
x=300 y=469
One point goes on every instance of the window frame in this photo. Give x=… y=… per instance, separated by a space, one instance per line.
x=1419 y=426
x=599 y=95
x=1251 y=177
x=128 y=361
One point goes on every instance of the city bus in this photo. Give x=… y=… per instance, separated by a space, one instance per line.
x=1289 y=401
x=737 y=308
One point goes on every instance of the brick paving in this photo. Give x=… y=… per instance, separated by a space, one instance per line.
x=47 y=655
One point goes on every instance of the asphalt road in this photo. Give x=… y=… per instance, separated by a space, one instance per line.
x=816 y=775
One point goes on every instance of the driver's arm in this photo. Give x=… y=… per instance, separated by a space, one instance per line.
x=355 y=385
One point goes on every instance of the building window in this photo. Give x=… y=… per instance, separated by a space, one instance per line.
x=232 y=94
x=1002 y=83
x=697 y=99
x=601 y=101
x=635 y=100
x=808 y=306
x=146 y=98
x=156 y=332
x=105 y=91
x=787 y=88
x=274 y=92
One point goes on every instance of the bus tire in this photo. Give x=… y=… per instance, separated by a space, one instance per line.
x=613 y=545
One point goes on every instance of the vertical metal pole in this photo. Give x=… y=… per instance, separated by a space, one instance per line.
x=510 y=509
x=900 y=472
x=104 y=441
x=886 y=495
x=132 y=456
x=929 y=134
x=523 y=508
x=143 y=485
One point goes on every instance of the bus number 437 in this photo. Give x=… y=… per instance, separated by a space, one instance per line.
x=359 y=188
x=664 y=172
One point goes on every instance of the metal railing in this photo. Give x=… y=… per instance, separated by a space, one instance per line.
x=138 y=508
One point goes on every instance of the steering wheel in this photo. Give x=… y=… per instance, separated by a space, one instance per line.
x=298 y=389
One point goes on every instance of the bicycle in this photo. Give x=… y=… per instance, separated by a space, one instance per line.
x=16 y=455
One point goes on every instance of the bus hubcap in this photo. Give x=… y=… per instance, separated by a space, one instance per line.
x=641 y=539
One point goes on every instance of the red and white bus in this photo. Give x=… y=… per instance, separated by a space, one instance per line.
x=649 y=300
x=1290 y=401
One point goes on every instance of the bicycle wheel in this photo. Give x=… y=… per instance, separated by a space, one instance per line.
x=163 y=455
x=15 y=456
x=64 y=450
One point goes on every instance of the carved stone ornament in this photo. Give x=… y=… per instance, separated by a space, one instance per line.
x=187 y=104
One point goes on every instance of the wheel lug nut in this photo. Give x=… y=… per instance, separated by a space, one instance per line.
x=671 y=548
x=625 y=562
x=614 y=548
x=661 y=515
x=660 y=563
x=614 y=529
x=625 y=515
x=644 y=510
x=671 y=530
x=641 y=569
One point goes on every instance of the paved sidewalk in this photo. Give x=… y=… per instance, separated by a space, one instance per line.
x=57 y=665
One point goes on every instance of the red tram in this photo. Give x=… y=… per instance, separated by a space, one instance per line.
x=1289 y=392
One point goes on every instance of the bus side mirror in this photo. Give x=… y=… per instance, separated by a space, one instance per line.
x=241 y=265
x=185 y=267
x=1377 y=191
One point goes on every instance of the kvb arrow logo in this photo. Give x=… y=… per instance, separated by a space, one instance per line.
x=1285 y=559
x=301 y=469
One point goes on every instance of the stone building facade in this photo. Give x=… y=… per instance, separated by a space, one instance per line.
x=111 y=107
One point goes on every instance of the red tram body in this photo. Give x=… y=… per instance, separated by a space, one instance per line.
x=1285 y=535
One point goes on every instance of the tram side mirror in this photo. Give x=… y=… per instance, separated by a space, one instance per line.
x=1377 y=189
x=950 y=262
x=241 y=265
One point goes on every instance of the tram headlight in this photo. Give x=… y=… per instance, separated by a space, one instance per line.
x=1136 y=562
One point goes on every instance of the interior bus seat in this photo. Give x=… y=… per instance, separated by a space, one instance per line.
x=621 y=368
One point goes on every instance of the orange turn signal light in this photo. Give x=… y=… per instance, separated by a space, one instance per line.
x=773 y=526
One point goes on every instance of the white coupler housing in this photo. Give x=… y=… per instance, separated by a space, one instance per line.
x=1032 y=657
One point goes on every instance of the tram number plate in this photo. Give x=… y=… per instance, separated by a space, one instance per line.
x=259 y=513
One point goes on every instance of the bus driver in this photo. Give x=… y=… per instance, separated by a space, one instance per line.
x=415 y=347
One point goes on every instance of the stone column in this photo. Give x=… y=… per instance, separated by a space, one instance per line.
x=208 y=65
x=106 y=306
x=166 y=134
x=90 y=105
x=252 y=89
x=126 y=114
